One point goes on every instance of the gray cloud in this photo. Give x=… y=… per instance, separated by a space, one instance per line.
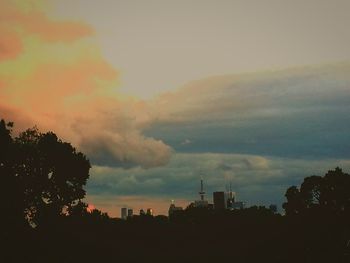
x=302 y=112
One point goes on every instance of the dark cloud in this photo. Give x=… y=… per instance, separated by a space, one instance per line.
x=320 y=134
x=292 y=113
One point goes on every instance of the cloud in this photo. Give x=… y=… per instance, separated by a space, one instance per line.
x=259 y=94
x=186 y=141
x=54 y=76
x=126 y=150
x=10 y=44
x=28 y=18
x=297 y=112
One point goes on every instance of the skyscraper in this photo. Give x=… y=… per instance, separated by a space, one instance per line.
x=124 y=213
x=219 y=200
x=149 y=211
x=173 y=209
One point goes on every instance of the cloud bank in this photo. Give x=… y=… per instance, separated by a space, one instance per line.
x=297 y=113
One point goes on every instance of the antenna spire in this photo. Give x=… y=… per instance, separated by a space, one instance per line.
x=201 y=192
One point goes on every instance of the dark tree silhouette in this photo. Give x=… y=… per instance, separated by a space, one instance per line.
x=330 y=193
x=11 y=191
x=48 y=173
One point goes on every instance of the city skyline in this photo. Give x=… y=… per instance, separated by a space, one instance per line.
x=159 y=94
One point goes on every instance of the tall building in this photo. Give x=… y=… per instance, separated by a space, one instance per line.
x=149 y=211
x=130 y=212
x=124 y=213
x=173 y=209
x=219 y=200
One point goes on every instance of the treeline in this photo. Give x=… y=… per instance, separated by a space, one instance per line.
x=43 y=218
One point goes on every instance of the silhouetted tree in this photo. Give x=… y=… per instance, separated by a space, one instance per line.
x=330 y=193
x=78 y=210
x=48 y=173
x=11 y=190
x=336 y=191
x=294 y=202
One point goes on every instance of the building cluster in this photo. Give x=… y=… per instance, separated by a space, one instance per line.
x=125 y=213
x=221 y=201
x=129 y=212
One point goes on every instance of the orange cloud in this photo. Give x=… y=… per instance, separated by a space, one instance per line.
x=56 y=31
x=69 y=88
x=10 y=44
x=57 y=82
x=36 y=22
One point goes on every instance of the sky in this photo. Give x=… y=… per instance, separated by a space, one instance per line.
x=160 y=94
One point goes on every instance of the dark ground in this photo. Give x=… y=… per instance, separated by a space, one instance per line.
x=230 y=237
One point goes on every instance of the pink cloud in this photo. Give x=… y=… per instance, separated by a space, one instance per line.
x=75 y=99
x=10 y=44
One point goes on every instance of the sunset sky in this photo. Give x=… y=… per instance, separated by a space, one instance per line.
x=161 y=93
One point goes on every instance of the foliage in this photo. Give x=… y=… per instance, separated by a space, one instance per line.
x=329 y=194
x=42 y=177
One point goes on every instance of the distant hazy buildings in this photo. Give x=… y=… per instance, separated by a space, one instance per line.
x=232 y=202
x=149 y=211
x=237 y=205
x=220 y=200
x=124 y=213
x=230 y=198
x=224 y=200
x=173 y=209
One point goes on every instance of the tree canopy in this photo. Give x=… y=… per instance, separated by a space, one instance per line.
x=41 y=176
x=330 y=193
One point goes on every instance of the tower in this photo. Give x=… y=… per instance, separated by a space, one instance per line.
x=201 y=202
x=201 y=192
x=230 y=198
